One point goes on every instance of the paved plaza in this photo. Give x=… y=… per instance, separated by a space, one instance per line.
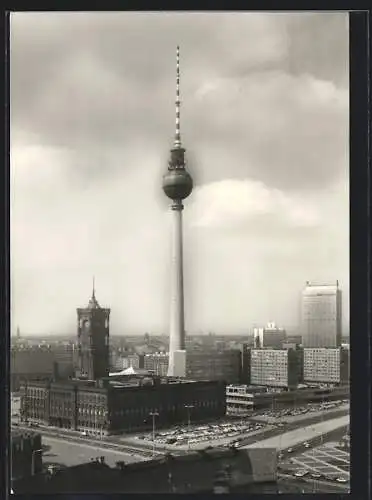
x=68 y=453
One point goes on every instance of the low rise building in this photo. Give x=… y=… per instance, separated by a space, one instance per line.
x=133 y=361
x=240 y=399
x=157 y=363
x=276 y=368
x=326 y=365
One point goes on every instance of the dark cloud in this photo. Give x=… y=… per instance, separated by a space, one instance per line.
x=95 y=81
x=92 y=119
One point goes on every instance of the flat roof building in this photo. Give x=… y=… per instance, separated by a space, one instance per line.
x=321 y=315
x=121 y=403
x=280 y=368
x=240 y=399
x=326 y=365
x=157 y=363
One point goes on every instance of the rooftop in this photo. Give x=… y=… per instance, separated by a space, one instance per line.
x=190 y=473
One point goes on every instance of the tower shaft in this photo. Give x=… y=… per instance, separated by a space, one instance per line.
x=177 y=318
x=177 y=185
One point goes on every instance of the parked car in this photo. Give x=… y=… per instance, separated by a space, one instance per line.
x=301 y=473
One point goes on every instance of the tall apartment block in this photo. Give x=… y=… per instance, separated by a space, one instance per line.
x=321 y=315
x=326 y=365
x=281 y=368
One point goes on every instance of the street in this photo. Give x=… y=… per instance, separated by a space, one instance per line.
x=301 y=434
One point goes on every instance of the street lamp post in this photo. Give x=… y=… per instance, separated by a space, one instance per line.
x=33 y=460
x=153 y=414
x=188 y=408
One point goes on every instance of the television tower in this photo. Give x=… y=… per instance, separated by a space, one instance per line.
x=177 y=185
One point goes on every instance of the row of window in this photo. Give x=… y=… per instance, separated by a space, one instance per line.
x=82 y=397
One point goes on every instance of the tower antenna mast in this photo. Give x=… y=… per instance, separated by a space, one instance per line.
x=177 y=137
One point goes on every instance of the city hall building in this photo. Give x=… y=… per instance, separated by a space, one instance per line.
x=99 y=403
x=111 y=406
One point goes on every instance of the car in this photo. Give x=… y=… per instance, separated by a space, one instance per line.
x=289 y=450
x=307 y=445
x=315 y=475
x=341 y=480
x=301 y=473
x=84 y=433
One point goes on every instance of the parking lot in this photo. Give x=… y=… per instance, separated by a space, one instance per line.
x=181 y=436
x=290 y=414
x=327 y=461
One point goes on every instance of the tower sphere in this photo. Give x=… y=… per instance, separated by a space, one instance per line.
x=177 y=184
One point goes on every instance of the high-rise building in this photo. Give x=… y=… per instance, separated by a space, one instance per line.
x=326 y=365
x=281 y=368
x=321 y=315
x=270 y=336
x=93 y=340
x=177 y=185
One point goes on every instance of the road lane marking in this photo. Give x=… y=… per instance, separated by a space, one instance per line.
x=326 y=464
x=334 y=457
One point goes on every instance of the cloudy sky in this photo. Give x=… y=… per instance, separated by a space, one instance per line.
x=265 y=125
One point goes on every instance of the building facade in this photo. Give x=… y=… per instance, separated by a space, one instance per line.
x=209 y=364
x=279 y=368
x=270 y=336
x=157 y=363
x=124 y=404
x=321 y=315
x=326 y=365
x=240 y=399
x=93 y=340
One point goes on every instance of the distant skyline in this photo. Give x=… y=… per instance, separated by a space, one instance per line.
x=265 y=123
